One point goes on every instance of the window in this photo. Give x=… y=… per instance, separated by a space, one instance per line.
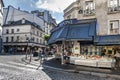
x=37 y=40
x=40 y=41
x=89 y=5
x=40 y=34
x=7 y=38
x=114 y=27
x=7 y=31
x=114 y=3
x=68 y=17
x=33 y=39
x=89 y=8
x=111 y=25
x=18 y=37
x=12 y=30
x=23 y=20
x=18 y=30
x=12 y=38
x=37 y=33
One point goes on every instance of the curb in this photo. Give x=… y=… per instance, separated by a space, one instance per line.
x=104 y=75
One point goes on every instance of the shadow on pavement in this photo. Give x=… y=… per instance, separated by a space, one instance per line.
x=10 y=54
x=57 y=64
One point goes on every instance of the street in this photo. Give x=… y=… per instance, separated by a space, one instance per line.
x=13 y=68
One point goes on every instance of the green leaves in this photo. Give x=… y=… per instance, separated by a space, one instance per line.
x=46 y=37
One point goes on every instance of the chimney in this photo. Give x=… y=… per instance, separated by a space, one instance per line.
x=18 y=8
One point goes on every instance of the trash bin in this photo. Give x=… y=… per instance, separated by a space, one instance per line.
x=35 y=54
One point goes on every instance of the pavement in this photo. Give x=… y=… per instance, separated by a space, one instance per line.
x=13 y=68
x=55 y=64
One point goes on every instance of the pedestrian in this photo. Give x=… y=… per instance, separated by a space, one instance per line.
x=46 y=53
x=117 y=58
x=39 y=53
x=65 y=55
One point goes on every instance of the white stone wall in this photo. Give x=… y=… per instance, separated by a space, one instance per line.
x=24 y=31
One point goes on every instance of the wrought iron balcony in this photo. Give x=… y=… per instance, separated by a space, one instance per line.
x=89 y=12
x=113 y=9
x=114 y=31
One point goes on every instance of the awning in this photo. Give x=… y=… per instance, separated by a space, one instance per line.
x=83 y=31
x=107 y=40
x=58 y=35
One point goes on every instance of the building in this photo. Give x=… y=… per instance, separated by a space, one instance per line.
x=104 y=43
x=22 y=30
x=1 y=23
x=49 y=22
x=106 y=12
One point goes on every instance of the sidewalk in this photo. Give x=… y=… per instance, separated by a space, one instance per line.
x=53 y=63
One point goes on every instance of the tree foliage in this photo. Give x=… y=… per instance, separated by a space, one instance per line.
x=46 y=37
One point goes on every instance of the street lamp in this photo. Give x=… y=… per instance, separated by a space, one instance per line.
x=31 y=40
x=27 y=40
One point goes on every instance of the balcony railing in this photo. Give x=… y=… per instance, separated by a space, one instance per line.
x=114 y=31
x=113 y=9
x=89 y=12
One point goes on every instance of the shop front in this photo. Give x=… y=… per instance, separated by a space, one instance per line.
x=78 y=39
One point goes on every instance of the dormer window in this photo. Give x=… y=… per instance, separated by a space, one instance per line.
x=23 y=20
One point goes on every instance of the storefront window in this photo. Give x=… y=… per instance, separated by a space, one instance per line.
x=100 y=50
x=86 y=51
x=91 y=50
x=96 y=50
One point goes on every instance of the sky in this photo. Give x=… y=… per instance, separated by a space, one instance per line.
x=55 y=7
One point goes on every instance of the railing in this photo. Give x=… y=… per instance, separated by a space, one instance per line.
x=89 y=12
x=114 y=31
x=113 y=9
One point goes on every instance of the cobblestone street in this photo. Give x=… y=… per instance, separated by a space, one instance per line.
x=12 y=68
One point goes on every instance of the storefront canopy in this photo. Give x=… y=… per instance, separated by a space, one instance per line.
x=81 y=31
x=107 y=40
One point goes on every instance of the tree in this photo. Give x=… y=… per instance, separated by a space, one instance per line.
x=46 y=37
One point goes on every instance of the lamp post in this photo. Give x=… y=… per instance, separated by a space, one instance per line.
x=31 y=40
x=27 y=40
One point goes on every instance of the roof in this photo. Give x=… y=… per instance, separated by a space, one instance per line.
x=107 y=40
x=2 y=3
x=19 y=22
x=81 y=31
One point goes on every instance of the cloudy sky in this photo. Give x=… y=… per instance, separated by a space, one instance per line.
x=56 y=7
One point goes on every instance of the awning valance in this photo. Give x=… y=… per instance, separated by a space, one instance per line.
x=107 y=40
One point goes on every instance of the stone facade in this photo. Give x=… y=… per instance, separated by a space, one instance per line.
x=105 y=11
x=22 y=28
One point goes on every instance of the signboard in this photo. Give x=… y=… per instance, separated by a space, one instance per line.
x=76 y=48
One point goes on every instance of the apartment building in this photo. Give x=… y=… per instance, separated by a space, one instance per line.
x=1 y=22
x=107 y=13
x=106 y=41
x=22 y=29
x=99 y=19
